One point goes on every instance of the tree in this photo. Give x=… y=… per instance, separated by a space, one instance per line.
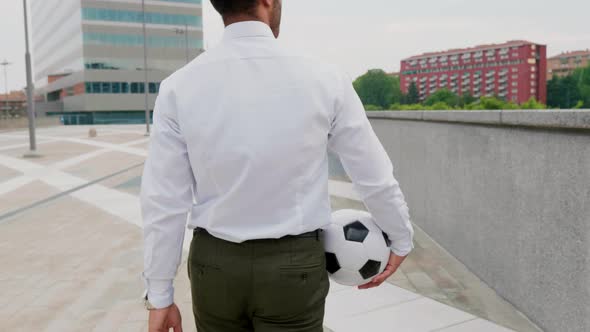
x=582 y=77
x=553 y=97
x=398 y=95
x=376 y=88
x=442 y=96
x=569 y=92
x=466 y=99
x=413 y=96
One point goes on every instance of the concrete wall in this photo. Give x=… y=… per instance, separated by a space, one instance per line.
x=508 y=194
x=23 y=123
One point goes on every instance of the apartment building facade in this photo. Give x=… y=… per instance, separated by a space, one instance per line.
x=88 y=55
x=514 y=71
x=565 y=63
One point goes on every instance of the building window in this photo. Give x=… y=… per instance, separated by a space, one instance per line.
x=102 y=14
x=106 y=87
x=120 y=87
x=95 y=87
x=135 y=87
x=116 y=87
x=96 y=38
x=152 y=87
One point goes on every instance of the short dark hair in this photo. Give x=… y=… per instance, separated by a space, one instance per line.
x=230 y=7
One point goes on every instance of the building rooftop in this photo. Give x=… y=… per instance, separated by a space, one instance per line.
x=570 y=54
x=511 y=43
x=13 y=96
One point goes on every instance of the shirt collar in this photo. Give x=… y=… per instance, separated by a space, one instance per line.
x=247 y=29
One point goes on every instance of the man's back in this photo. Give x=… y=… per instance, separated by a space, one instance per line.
x=256 y=120
x=240 y=140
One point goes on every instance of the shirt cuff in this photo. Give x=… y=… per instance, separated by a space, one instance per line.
x=160 y=293
x=402 y=249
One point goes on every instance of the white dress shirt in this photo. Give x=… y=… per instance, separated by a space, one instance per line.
x=245 y=128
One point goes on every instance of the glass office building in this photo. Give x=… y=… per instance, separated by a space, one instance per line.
x=88 y=54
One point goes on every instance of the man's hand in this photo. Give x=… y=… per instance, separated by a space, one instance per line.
x=162 y=320
x=394 y=262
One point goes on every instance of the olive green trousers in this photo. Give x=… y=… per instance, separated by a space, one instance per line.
x=268 y=285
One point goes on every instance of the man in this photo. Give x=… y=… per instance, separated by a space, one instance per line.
x=243 y=131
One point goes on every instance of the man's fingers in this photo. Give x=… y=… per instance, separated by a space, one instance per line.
x=382 y=276
x=178 y=328
x=370 y=284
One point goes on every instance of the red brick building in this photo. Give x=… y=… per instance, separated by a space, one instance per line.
x=565 y=63
x=514 y=71
x=14 y=102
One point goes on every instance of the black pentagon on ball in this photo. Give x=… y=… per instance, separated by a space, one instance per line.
x=332 y=264
x=387 y=240
x=356 y=232
x=370 y=269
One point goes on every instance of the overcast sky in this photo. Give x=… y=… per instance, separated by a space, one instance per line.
x=359 y=35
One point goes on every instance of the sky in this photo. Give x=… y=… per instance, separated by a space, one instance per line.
x=360 y=35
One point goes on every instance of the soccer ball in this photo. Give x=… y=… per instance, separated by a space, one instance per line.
x=356 y=249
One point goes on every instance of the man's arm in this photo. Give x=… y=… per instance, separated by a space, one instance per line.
x=366 y=162
x=166 y=197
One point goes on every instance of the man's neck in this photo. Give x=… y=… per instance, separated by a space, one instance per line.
x=243 y=18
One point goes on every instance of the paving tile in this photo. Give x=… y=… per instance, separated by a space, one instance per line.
x=54 y=151
x=421 y=314
x=25 y=195
x=478 y=325
x=7 y=173
x=115 y=137
x=103 y=165
x=353 y=301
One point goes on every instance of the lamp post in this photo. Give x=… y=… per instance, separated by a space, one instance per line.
x=145 y=69
x=5 y=64
x=30 y=102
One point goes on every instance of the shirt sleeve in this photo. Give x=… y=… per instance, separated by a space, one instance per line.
x=366 y=162
x=166 y=198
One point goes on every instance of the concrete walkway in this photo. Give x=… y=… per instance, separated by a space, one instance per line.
x=69 y=221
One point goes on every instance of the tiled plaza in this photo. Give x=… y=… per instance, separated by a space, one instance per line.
x=71 y=248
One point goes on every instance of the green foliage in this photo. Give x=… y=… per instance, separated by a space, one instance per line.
x=442 y=96
x=466 y=99
x=532 y=104
x=373 y=108
x=377 y=88
x=406 y=107
x=568 y=91
x=380 y=91
x=398 y=95
x=582 y=76
x=413 y=96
